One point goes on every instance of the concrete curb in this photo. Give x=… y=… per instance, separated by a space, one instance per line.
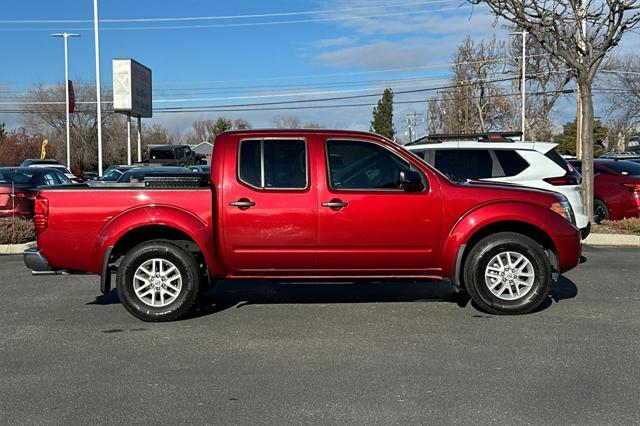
x=15 y=248
x=620 y=240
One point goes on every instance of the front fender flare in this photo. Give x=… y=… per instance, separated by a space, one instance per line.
x=488 y=215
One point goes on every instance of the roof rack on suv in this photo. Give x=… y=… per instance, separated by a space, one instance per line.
x=479 y=137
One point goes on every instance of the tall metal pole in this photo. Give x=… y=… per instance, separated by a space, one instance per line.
x=98 y=100
x=66 y=36
x=524 y=81
x=66 y=94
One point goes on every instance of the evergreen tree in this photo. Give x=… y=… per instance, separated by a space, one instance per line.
x=3 y=133
x=567 y=139
x=382 y=120
x=220 y=125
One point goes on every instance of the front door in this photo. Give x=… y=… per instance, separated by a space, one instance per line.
x=367 y=223
x=269 y=208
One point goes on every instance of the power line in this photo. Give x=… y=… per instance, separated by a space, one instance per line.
x=260 y=87
x=277 y=108
x=219 y=17
x=294 y=94
x=245 y=24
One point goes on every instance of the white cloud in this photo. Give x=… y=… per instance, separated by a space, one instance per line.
x=333 y=42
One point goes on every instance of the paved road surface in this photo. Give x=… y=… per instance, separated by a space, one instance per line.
x=379 y=353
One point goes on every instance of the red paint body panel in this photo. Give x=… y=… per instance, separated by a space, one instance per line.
x=289 y=233
x=16 y=202
x=620 y=200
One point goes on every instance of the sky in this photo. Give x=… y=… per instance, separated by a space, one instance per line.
x=249 y=52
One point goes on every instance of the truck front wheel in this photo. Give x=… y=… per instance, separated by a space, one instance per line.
x=507 y=273
x=158 y=281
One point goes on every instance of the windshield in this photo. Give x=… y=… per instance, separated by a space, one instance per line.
x=112 y=176
x=16 y=177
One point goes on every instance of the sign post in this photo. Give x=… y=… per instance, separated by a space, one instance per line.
x=129 y=139
x=139 y=140
x=132 y=95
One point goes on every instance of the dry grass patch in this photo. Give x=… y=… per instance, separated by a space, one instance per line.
x=16 y=231
x=630 y=226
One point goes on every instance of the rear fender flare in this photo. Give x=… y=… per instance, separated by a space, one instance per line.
x=198 y=230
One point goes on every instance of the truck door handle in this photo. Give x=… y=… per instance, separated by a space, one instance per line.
x=243 y=203
x=335 y=204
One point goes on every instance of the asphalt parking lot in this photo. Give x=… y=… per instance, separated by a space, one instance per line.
x=376 y=353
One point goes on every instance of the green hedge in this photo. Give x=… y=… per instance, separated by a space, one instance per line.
x=16 y=231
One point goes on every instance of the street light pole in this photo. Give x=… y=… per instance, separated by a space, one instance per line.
x=98 y=101
x=66 y=36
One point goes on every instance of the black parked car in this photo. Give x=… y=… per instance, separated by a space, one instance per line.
x=172 y=155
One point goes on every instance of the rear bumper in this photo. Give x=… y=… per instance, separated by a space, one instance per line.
x=36 y=261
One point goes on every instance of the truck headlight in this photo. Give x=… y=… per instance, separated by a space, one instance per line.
x=563 y=208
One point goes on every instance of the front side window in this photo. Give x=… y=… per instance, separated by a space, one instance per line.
x=273 y=164
x=361 y=165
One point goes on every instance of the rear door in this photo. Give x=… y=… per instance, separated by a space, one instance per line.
x=269 y=207
x=367 y=224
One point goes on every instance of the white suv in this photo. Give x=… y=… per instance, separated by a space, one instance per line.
x=498 y=157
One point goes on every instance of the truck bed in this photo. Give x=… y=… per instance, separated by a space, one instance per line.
x=78 y=214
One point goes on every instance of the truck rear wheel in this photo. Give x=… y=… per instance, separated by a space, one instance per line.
x=507 y=273
x=158 y=281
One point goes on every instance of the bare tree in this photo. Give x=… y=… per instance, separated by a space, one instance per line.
x=580 y=32
x=474 y=102
x=622 y=96
x=45 y=114
x=286 y=122
x=207 y=130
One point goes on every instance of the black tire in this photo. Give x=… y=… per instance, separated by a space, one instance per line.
x=485 y=251
x=600 y=211
x=187 y=268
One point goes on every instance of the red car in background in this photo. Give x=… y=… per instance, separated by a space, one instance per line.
x=616 y=189
x=19 y=186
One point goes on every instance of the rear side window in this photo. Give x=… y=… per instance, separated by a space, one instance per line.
x=464 y=163
x=273 y=164
x=512 y=163
x=163 y=154
x=557 y=158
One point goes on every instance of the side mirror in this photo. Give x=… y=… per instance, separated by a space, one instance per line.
x=411 y=181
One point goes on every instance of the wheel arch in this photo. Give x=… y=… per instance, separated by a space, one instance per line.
x=527 y=229
x=156 y=223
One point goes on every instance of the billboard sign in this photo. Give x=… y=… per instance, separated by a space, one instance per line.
x=132 y=88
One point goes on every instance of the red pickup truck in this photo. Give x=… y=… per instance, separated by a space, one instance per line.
x=291 y=204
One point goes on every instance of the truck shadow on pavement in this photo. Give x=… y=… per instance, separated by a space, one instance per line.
x=228 y=294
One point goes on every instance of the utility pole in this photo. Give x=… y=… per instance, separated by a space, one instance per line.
x=412 y=125
x=523 y=81
x=65 y=36
x=582 y=35
x=98 y=100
